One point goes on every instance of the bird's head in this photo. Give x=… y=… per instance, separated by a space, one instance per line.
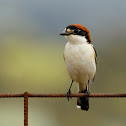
x=76 y=33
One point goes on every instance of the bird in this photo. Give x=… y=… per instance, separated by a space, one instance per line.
x=81 y=59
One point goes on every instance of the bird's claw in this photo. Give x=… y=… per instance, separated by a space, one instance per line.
x=69 y=95
x=88 y=93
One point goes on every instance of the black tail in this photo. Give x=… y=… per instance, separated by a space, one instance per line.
x=83 y=102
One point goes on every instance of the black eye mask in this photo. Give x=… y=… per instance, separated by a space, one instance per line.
x=80 y=32
x=77 y=31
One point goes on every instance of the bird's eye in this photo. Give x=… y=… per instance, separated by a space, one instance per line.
x=76 y=31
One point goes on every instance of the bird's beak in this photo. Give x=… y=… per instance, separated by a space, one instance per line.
x=65 y=33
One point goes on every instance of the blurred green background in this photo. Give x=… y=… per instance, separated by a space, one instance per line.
x=31 y=59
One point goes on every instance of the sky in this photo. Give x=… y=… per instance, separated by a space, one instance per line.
x=50 y=17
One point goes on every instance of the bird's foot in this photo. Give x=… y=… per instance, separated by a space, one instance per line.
x=69 y=95
x=88 y=93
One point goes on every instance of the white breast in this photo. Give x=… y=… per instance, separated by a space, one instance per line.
x=80 y=61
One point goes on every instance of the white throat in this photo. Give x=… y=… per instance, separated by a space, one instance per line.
x=76 y=39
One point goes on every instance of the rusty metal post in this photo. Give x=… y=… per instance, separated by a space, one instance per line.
x=26 y=109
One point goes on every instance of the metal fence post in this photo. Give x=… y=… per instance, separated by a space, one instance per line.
x=26 y=109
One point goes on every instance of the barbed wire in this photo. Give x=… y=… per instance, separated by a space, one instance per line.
x=92 y=95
